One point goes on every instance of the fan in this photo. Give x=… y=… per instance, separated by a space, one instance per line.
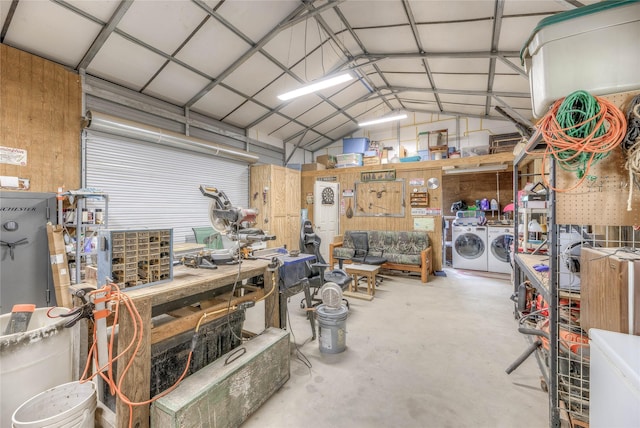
x=331 y=295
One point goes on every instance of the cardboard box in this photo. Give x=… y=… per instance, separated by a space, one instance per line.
x=329 y=161
x=59 y=265
x=313 y=167
x=371 y=160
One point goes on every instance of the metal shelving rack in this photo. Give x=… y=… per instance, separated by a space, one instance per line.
x=564 y=363
x=83 y=230
x=543 y=283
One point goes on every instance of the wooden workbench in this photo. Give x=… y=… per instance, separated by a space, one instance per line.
x=187 y=287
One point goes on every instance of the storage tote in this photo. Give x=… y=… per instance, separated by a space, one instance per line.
x=592 y=48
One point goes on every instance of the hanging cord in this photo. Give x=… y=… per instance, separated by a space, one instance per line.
x=631 y=146
x=581 y=130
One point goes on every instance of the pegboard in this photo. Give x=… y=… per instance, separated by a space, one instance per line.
x=603 y=200
x=380 y=198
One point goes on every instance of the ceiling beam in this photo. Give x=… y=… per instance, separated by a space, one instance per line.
x=445 y=113
x=416 y=37
x=512 y=110
x=296 y=146
x=292 y=19
x=512 y=66
x=104 y=34
x=456 y=91
x=498 y=11
x=8 y=19
x=345 y=52
x=353 y=34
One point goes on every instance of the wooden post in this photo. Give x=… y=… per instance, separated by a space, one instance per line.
x=137 y=381
x=271 y=303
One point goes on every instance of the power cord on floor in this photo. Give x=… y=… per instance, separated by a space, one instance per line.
x=299 y=354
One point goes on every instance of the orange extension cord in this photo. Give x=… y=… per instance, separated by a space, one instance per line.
x=115 y=297
x=565 y=148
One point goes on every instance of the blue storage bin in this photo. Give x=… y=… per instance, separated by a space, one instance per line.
x=355 y=145
x=410 y=159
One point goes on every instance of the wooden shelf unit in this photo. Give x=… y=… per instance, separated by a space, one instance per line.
x=419 y=200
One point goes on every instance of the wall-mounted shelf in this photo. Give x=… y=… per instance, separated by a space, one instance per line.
x=419 y=200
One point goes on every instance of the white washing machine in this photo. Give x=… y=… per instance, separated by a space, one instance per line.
x=499 y=255
x=469 y=247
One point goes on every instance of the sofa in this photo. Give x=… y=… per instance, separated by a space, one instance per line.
x=404 y=250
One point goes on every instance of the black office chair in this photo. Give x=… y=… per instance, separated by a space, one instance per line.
x=361 y=255
x=318 y=273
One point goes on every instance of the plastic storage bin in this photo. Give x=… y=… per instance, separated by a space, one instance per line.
x=349 y=159
x=615 y=380
x=475 y=151
x=355 y=145
x=592 y=48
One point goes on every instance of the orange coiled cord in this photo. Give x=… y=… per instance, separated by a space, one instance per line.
x=118 y=298
x=580 y=153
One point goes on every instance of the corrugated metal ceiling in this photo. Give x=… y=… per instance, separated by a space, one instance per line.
x=228 y=59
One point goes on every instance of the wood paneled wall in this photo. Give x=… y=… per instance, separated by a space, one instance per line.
x=41 y=113
x=476 y=186
x=414 y=170
x=347 y=178
x=275 y=191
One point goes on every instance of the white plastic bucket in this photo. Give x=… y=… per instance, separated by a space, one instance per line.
x=70 y=405
x=332 y=337
x=44 y=356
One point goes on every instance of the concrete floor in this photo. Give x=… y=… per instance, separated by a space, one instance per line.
x=418 y=355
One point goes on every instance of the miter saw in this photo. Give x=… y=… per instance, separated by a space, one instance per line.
x=232 y=222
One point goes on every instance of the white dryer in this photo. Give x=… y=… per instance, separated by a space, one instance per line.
x=499 y=255
x=469 y=247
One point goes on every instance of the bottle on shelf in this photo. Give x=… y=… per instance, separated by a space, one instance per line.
x=99 y=216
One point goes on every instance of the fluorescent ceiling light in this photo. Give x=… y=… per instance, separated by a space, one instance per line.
x=317 y=86
x=482 y=168
x=383 y=120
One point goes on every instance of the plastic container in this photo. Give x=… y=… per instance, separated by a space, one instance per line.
x=355 y=145
x=349 y=159
x=411 y=159
x=615 y=380
x=332 y=333
x=44 y=356
x=70 y=405
x=475 y=151
x=592 y=48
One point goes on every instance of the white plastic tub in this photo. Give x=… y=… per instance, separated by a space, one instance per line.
x=615 y=380
x=44 y=356
x=593 y=48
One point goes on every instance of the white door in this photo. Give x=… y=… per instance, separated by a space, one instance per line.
x=326 y=213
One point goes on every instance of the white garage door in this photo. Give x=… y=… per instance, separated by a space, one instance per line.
x=157 y=187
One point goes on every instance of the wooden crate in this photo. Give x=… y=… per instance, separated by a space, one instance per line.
x=604 y=290
x=227 y=391
x=371 y=160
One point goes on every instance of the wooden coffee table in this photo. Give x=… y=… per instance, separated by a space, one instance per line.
x=368 y=271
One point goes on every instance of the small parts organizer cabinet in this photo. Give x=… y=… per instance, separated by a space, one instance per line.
x=134 y=258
